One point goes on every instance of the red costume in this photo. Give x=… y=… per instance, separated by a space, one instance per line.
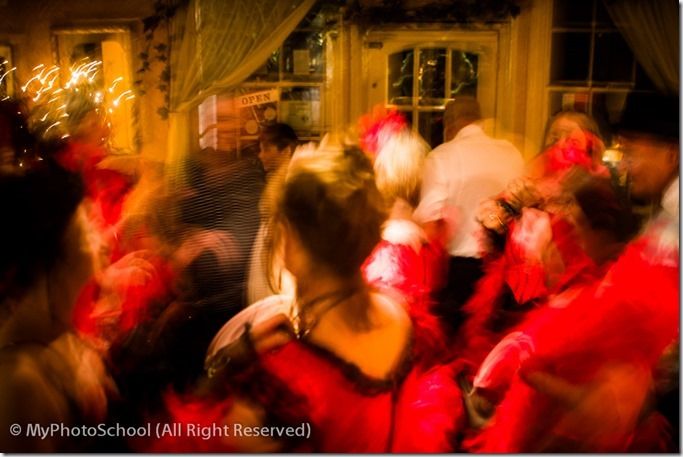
x=413 y=267
x=106 y=189
x=527 y=282
x=602 y=349
x=347 y=411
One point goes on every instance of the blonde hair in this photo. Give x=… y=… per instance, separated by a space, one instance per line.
x=398 y=166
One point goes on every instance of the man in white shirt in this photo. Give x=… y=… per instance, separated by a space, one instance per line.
x=459 y=174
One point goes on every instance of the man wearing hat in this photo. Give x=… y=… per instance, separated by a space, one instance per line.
x=649 y=134
x=625 y=331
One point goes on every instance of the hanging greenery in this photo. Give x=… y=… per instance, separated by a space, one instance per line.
x=381 y=12
x=156 y=48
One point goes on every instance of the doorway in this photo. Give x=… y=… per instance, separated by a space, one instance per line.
x=418 y=72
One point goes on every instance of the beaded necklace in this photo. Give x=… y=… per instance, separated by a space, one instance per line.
x=303 y=325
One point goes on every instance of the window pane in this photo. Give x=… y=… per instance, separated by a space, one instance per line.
x=256 y=116
x=606 y=110
x=613 y=59
x=408 y=116
x=643 y=81
x=572 y=101
x=464 y=73
x=574 y=13
x=401 y=78
x=430 y=126
x=303 y=56
x=269 y=70
x=431 y=76
x=315 y=19
x=300 y=108
x=602 y=17
x=571 y=56
x=88 y=52
x=555 y=102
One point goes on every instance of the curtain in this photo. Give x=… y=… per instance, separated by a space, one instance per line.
x=651 y=29
x=217 y=45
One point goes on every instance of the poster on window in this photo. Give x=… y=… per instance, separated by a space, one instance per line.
x=257 y=109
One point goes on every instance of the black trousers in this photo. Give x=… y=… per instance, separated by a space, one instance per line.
x=462 y=277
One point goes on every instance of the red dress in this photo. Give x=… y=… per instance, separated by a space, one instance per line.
x=405 y=262
x=605 y=345
x=345 y=410
x=98 y=316
x=106 y=189
x=527 y=283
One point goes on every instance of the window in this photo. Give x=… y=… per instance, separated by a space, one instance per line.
x=109 y=50
x=287 y=88
x=587 y=48
x=422 y=80
x=592 y=67
x=418 y=72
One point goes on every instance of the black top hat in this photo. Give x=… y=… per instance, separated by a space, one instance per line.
x=650 y=114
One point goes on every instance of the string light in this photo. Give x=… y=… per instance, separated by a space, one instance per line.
x=53 y=102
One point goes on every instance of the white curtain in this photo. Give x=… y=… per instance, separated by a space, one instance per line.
x=651 y=29
x=218 y=45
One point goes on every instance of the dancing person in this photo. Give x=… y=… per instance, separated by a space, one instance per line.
x=529 y=237
x=277 y=143
x=336 y=356
x=570 y=137
x=50 y=375
x=602 y=224
x=587 y=371
x=106 y=188
x=649 y=135
x=469 y=167
x=405 y=261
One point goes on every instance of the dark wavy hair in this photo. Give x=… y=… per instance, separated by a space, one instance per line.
x=280 y=135
x=332 y=202
x=605 y=207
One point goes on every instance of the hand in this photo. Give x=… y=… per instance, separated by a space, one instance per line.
x=532 y=234
x=271 y=333
x=493 y=216
x=221 y=243
x=133 y=269
x=522 y=193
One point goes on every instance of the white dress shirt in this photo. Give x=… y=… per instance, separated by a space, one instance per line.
x=458 y=176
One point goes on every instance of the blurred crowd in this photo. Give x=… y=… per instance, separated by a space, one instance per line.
x=390 y=297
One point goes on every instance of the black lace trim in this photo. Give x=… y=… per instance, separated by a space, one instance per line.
x=238 y=369
x=363 y=383
x=241 y=354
